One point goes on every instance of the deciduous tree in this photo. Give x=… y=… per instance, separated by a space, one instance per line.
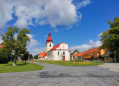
x=16 y=43
x=110 y=38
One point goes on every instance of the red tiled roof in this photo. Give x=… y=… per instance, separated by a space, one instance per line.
x=92 y=50
x=79 y=54
x=1 y=45
x=56 y=46
x=42 y=54
x=89 y=50
x=46 y=54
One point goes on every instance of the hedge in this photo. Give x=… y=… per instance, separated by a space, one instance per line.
x=3 y=59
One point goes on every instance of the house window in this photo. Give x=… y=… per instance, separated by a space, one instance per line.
x=58 y=53
x=63 y=53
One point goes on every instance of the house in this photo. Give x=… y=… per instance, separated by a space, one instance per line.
x=1 y=45
x=57 y=52
x=106 y=55
x=41 y=56
x=72 y=54
x=87 y=54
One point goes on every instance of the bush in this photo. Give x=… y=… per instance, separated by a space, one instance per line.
x=117 y=57
x=92 y=57
x=3 y=59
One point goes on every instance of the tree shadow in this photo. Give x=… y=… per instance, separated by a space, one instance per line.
x=22 y=64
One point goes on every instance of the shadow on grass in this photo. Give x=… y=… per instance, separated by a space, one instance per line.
x=19 y=64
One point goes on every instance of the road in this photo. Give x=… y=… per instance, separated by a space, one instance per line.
x=56 y=75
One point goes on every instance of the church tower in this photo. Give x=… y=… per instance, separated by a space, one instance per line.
x=49 y=43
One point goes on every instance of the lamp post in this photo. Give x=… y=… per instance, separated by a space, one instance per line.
x=98 y=57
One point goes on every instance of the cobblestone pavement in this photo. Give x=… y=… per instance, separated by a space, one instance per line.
x=56 y=75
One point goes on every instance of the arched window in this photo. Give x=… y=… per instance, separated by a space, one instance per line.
x=58 y=53
x=50 y=44
x=63 y=53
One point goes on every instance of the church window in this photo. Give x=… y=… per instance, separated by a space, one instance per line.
x=50 y=44
x=58 y=53
x=63 y=53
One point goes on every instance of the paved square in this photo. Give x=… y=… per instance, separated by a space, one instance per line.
x=56 y=75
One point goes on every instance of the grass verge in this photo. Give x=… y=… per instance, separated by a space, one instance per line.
x=69 y=63
x=5 y=68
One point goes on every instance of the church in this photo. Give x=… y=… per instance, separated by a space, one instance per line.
x=57 y=52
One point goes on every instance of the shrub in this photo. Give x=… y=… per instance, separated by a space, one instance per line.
x=117 y=56
x=3 y=59
x=92 y=57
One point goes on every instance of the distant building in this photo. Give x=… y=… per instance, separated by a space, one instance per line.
x=1 y=45
x=41 y=56
x=87 y=54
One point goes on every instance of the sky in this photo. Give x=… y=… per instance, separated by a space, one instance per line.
x=76 y=22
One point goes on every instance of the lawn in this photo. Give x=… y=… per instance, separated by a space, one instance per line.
x=70 y=63
x=5 y=68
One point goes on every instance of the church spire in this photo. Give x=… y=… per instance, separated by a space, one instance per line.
x=49 y=37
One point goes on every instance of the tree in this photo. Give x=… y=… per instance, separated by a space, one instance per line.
x=75 y=51
x=26 y=55
x=100 y=57
x=110 y=38
x=16 y=43
x=36 y=56
x=92 y=58
x=31 y=57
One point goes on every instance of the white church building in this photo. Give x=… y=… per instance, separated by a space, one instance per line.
x=57 y=52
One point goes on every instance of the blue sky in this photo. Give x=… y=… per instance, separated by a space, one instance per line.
x=76 y=22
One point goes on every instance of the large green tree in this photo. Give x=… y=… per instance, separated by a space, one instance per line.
x=110 y=38
x=36 y=57
x=16 y=43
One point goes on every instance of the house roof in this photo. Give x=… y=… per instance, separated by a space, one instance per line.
x=89 y=50
x=42 y=54
x=55 y=47
x=79 y=54
x=1 y=45
x=45 y=54
x=93 y=49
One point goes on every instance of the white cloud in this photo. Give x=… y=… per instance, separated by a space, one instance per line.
x=45 y=36
x=84 y=47
x=56 y=30
x=83 y=3
x=69 y=27
x=32 y=43
x=36 y=51
x=99 y=34
x=6 y=11
x=1 y=39
x=53 y=12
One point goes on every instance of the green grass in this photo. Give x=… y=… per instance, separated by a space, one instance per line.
x=5 y=68
x=70 y=63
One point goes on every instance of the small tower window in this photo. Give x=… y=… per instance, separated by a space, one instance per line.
x=58 y=53
x=50 y=44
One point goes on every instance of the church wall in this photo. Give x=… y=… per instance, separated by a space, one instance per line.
x=67 y=55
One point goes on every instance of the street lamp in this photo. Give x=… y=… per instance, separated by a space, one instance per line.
x=98 y=57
